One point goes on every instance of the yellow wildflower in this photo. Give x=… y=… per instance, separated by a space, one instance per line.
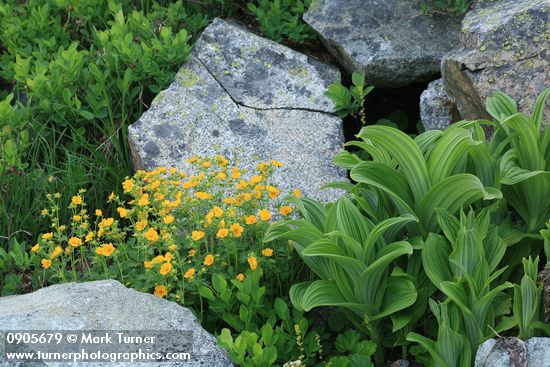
x=75 y=241
x=148 y=264
x=273 y=192
x=277 y=163
x=122 y=212
x=160 y=291
x=235 y=173
x=46 y=263
x=140 y=225
x=240 y=277
x=152 y=235
x=217 y=211
x=89 y=236
x=111 y=197
x=56 y=252
x=256 y=179
x=158 y=259
x=285 y=210
x=237 y=230
x=44 y=212
x=107 y=222
x=265 y=215
x=76 y=200
x=242 y=184
x=47 y=236
x=168 y=256
x=222 y=233
x=173 y=247
x=192 y=252
x=77 y=218
x=203 y=195
x=197 y=235
x=209 y=260
x=98 y=213
x=35 y=248
x=127 y=185
x=267 y=252
x=297 y=193
x=105 y=250
x=168 y=219
x=144 y=200
x=251 y=219
x=165 y=268
x=229 y=200
x=253 y=263
x=189 y=273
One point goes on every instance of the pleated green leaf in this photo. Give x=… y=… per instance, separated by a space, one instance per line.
x=407 y=154
x=450 y=149
x=435 y=258
x=308 y=295
x=328 y=249
x=388 y=180
x=452 y=194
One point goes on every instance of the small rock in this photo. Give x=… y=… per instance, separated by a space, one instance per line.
x=105 y=305
x=437 y=111
x=512 y=352
x=250 y=99
x=391 y=41
x=504 y=47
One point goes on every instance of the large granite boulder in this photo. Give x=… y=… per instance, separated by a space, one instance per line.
x=105 y=306
x=250 y=99
x=504 y=47
x=390 y=41
x=512 y=352
x=437 y=111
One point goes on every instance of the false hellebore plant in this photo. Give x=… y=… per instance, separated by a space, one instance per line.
x=382 y=250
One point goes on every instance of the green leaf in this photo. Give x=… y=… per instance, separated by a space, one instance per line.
x=206 y=292
x=400 y=293
x=429 y=345
x=219 y=283
x=405 y=151
x=538 y=113
x=306 y=296
x=388 y=180
x=435 y=258
x=499 y=105
x=452 y=194
x=449 y=151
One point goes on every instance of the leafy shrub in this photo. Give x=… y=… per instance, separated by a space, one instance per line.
x=280 y=19
x=14 y=136
x=80 y=73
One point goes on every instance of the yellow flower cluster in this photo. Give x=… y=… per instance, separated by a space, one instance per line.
x=177 y=226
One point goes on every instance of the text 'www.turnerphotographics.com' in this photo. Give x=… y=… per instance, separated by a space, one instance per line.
x=97 y=345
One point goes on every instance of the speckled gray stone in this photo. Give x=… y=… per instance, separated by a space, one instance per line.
x=249 y=99
x=437 y=111
x=504 y=47
x=105 y=305
x=390 y=41
x=489 y=355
